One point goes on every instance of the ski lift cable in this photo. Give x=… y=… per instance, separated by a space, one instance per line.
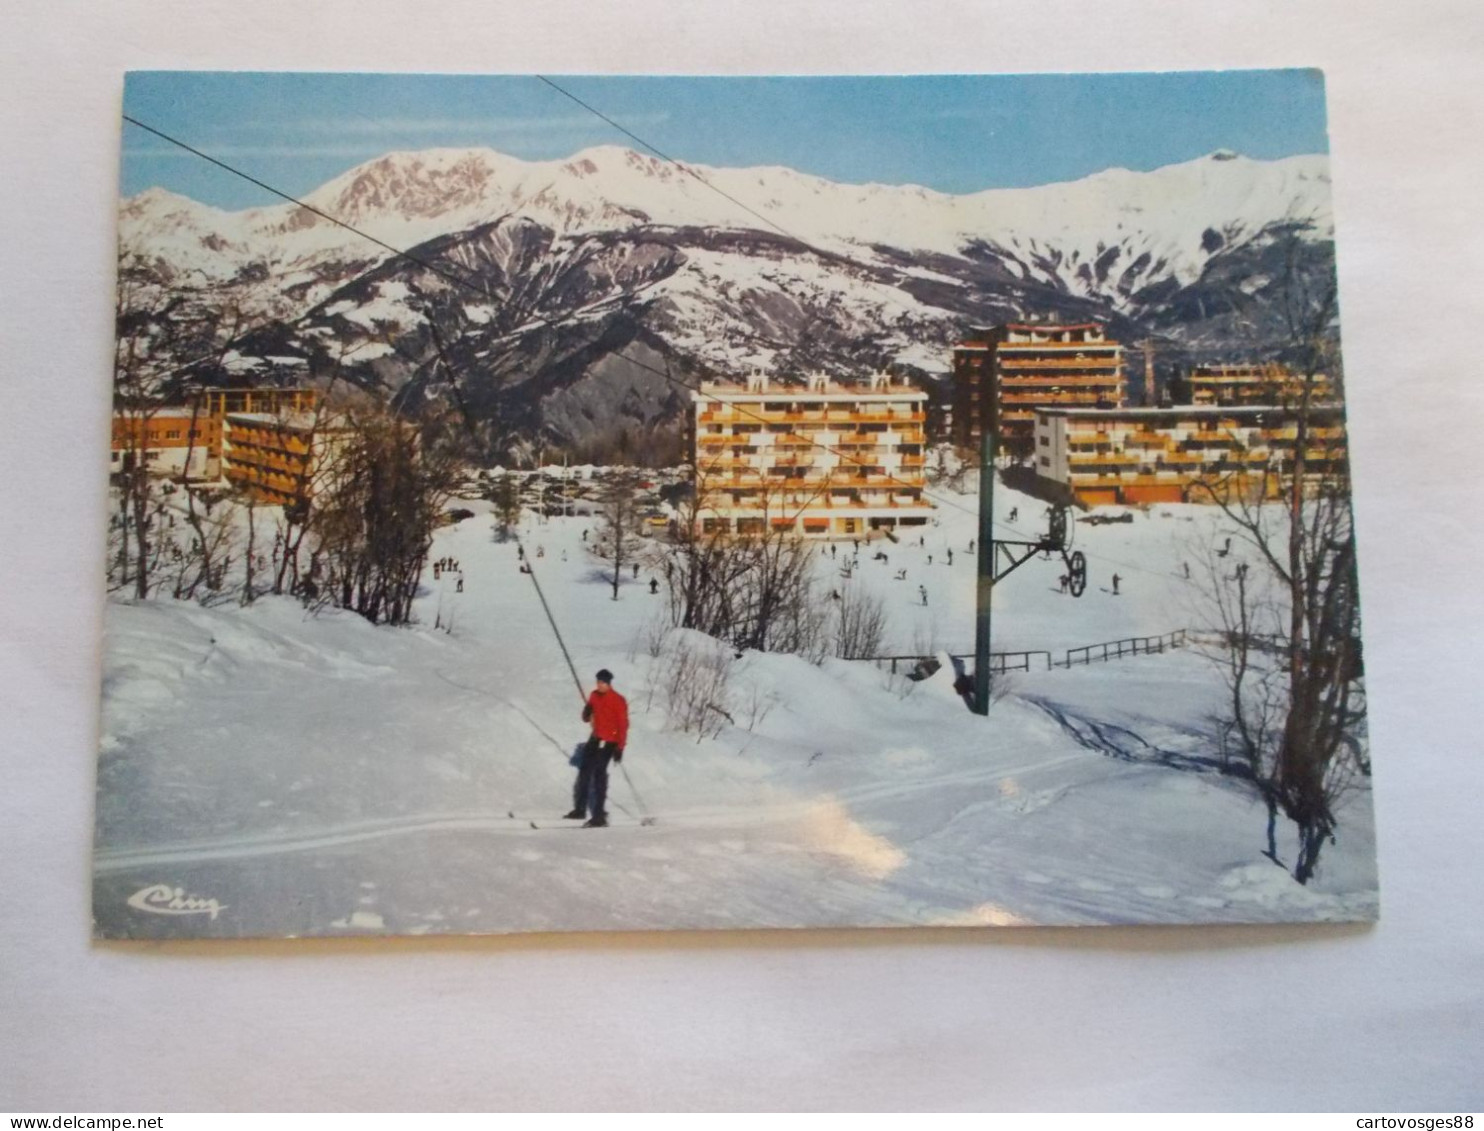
x=469 y=284
x=688 y=171
x=646 y=818
x=684 y=168
x=452 y=277
x=551 y=620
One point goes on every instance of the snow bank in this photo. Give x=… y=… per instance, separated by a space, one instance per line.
x=318 y=775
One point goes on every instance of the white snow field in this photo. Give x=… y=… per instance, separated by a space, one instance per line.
x=271 y=772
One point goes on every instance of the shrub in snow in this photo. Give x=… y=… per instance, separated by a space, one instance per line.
x=693 y=674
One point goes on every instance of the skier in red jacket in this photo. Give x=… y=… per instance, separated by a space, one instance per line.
x=608 y=711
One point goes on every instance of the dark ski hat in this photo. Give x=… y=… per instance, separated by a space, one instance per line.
x=605 y=676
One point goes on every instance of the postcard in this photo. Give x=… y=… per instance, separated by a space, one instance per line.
x=830 y=501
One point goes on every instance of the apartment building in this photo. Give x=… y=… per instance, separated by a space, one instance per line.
x=185 y=442
x=1160 y=455
x=277 y=458
x=181 y=443
x=820 y=459
x=1002 y=374
x=1267 y=383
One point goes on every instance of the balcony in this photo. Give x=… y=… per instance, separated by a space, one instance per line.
x=1022 y=363
x=884 y=417
x=1027 y=402
x=728 y=465
x=1078 y=459
x=1021 y=342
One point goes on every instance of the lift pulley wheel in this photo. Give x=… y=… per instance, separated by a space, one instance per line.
x=1056 y=534
x=1076 y=573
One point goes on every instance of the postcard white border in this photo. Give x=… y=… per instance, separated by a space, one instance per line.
x=1168 y=1018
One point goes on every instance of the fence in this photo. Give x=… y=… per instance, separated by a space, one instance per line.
x=1001 y=662
x=1117 y=649
x=998 y=661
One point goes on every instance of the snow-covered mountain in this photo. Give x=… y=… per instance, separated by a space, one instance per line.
x=571 y=266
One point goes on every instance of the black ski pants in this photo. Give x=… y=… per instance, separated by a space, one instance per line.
x=592 y=778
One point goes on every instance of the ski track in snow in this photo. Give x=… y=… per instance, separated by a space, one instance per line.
x=267 y=844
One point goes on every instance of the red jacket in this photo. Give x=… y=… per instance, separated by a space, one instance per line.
x=610 y=717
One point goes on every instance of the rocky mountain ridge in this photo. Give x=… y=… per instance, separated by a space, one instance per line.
x=532 y=290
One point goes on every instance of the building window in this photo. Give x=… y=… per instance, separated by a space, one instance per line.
x=1044 y=441
x=1045 y=461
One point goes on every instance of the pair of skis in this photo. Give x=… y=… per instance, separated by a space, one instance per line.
x=551 y=824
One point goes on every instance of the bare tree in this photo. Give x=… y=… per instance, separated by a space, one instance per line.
x=860 y=624
x=952 y=468
x=505 y=494
x=250 y=555
x=164 y=339
x=385 y=482
x=145 y=324
x=753 y=586
x=617 y=539
x=1286 y=599
x=211 y=540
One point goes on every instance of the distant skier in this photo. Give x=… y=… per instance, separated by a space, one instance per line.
x=1186 y=565
x=1014 y=513
x=1116 y=580
x=636 y=570
x=460 y=587
x=930 y=559
x=922 y=589
x=971 y=545
x=608 y=712
x=1064 y=580
x=950 y=557
x=654 y=586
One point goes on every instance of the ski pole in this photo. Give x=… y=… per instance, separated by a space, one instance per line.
x=644 y=817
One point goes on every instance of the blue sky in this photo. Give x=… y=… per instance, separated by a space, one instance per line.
x=955 y=133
